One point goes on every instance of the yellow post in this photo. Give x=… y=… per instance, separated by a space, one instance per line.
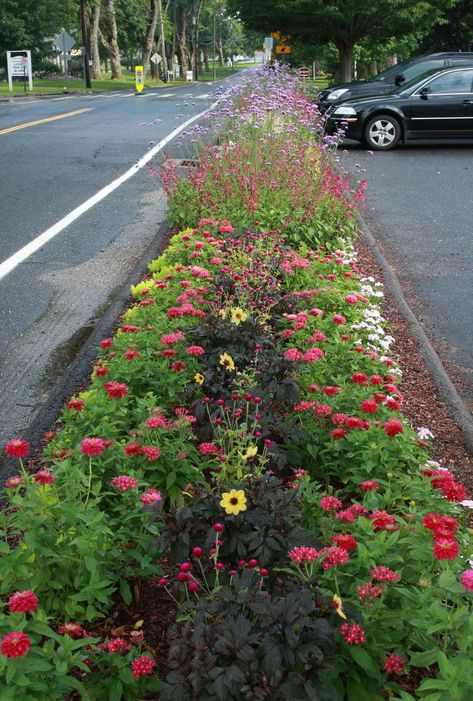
x=139 y=79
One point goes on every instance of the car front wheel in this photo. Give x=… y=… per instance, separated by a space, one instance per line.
x=382 y=132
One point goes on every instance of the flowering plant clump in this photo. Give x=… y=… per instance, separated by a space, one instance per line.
x=242 y=444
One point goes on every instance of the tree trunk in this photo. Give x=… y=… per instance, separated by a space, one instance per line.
x=206 y=59
x=111 y=43
x=149 y=36
x=221 y=57
x=183 y=52
x=345 y=52
x=94 y=43
x=195 y=53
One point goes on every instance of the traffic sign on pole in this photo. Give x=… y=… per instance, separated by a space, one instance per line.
x=139 y=79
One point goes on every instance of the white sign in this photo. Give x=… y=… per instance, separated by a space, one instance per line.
x=259 y=56
x=64 y=42
x=156 y=58
x=189 y=76
x=19 y=66
x=268 y=43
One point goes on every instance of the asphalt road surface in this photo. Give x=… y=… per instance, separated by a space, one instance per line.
x=51 y=300
x=420 y=209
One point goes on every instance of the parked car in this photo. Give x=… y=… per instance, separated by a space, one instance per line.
x=394 y=76
x=438 y=104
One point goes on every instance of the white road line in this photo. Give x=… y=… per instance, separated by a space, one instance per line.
x=167 y=94
x=202 y=97
x=20 y=256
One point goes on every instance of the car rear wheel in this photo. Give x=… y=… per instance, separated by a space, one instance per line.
x=382 y=132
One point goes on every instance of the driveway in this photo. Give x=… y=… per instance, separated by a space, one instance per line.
x=419 y=207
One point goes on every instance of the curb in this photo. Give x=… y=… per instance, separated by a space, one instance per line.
x=445 y=386
x=80 y=368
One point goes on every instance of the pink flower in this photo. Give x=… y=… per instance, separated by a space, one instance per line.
x=369 y=591
x=92 y=446
x=131 y=354
x=23 y=602
x=385 y=574
x=142 y=667
x=152 y=496
x=330 y=503
x=17 y=448
x=392 y=427
x=466 y=578
x=302 y=554
x=293 y=354
x=15 y=644
x=394 y=663
x=157 y=421
x=312 y=355
x=171 y=338
x=124 y=482
x=208 y=449
x=369 y=406
x=14 y=482
x=353 y=633
x=116 y=390
x=334 y=556
x=152 y=452
x=338 y=319
x=195 y=350
x=44 y=477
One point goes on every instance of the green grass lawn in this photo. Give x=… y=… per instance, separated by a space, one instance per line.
x=47 y=86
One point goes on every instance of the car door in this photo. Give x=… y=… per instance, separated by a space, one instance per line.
x=443 y=106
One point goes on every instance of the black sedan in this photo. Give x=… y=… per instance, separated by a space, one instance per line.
x=438 y=104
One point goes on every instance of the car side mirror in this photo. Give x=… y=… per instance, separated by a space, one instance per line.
x=424 y=92
x=398 y=79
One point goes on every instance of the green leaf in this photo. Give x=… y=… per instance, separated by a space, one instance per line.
x=424 y=659
x=125 y=591
x=362 y=658
x=116 y=690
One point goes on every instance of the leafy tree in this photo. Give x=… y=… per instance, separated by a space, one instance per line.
x=455 y=33
x=344 y=22
x=25 y=24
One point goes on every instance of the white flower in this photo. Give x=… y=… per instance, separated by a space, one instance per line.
x=424 y=433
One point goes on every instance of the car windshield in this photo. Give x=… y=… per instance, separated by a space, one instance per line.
x=409 y=84
x=392 y=70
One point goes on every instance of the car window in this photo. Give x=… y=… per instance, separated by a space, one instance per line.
x=459 y=82
x=414 y=71
x=392 y=71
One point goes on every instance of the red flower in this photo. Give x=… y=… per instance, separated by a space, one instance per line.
x=131 y=354
x=73 y=630
x=345 y=541
x=466 y=578
x=124 y=482
x=330 y=391
x=302 y=553
x=117 y=646
x=446 y=549
x=453 y=491
x=17 y=448
x=178 y=366
x=106 y=343
x=392 y=427
x=369 y=406
x=382 y=521
x=92 y=446
x=338 y=433
x=116 y=390
x=369 y=591
x=142 y=667
x=394 y=663
x=44 y=477
x=353 y=633
x=77 y=404
x=132 y=448
x=338 y=319
x=369 y=486
x=23 y=602
x=15 y=644
x=101 y=371
x=359 y=378
x=208 y=449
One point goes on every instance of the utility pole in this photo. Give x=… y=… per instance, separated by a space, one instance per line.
x=85 y=42
x=215 y=52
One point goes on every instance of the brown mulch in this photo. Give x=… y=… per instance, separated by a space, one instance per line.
x=422 y=404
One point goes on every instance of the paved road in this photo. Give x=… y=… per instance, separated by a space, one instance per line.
x=420 y=208
x=52 y=300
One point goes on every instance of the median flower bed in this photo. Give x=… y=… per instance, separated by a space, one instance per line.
x=242 y=447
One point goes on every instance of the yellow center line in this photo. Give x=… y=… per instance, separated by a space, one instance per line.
x=45 y=120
